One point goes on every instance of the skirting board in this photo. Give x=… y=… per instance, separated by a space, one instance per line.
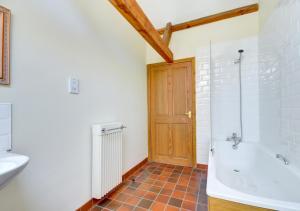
x=87 y=206
x=134 y=169
x=202 y=166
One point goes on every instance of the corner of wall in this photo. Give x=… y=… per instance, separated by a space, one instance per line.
x=266 y=7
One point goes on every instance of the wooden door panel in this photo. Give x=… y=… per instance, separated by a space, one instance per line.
x=180 y=91
x=161 y=92
x=162 y=140
x=171 y=95
x=181 y=141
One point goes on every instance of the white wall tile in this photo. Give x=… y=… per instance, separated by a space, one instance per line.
x=223 y=99
x=5 y=127
x=279 y=80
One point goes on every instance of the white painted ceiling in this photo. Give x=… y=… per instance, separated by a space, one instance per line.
x=177 y=11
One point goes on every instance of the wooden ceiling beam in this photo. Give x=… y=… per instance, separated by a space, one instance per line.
x=214 y=18
x=167 y=34
x=137 y=18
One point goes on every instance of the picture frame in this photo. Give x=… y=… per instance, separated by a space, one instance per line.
x=5 y=15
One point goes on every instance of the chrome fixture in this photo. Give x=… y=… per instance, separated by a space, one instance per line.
x=238 y=61
x=212 y=151
x=104 y=130
x=241 y=93
x=236 y=140
x=281 y=157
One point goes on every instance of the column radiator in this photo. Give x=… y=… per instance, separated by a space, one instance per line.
x=107 y=161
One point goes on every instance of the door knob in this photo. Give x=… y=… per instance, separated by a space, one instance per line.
x=189 y=114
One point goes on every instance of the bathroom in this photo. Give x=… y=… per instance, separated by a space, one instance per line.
x=204 y=97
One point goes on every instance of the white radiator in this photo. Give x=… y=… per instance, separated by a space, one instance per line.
x=107 y=161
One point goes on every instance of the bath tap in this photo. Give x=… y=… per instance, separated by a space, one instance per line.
x=236 y=140
x=281 y=157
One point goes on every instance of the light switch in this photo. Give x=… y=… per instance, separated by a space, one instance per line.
x=73 y=86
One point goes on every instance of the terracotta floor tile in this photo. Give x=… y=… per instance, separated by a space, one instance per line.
x=113 y=195
x=175 y=202
x=125 y=208
x=155 y=189
x=163 y=178
x=104 y=202
x=166 y=173
x=190 y=197
x=150 y=196
x=169 y=186
x=122 y=197
x=168 y=169
x=163 y=198
x=178 y=194
x=160 y=187
x=145 y=186
x=97 y=209
x=183 y=182
x=145 y=203
x=157 y=206
x=135 y=184
x=159 y=184
x=171 y=208
x=192 y=190
x=133 y=200
x=113 y=205
x=150 y=182
x=167 y=192
x=181 y=188
x=129 y=190
x=172 y=180
x=139 y=193
x=189 y=205
x=140 y=209
x=153 y=176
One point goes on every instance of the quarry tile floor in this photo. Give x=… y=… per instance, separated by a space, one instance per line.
x=160 y=187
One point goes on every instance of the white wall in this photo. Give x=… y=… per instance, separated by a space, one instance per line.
x=194 y=42
x=50 y=41
x=279 y=78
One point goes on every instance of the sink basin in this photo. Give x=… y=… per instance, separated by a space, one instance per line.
x=10 y=165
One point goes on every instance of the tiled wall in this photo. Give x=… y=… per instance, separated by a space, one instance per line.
x=5 y=127
x=224 y=99
x=279 y=80
x=203 y=105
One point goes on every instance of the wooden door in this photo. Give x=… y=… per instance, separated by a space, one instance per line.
x=171 y=96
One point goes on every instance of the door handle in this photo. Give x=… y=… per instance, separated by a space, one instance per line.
x=189 y=114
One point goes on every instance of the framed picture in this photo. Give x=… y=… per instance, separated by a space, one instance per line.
x=4 y=45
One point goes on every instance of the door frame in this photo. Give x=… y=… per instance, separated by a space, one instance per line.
x=193 y=62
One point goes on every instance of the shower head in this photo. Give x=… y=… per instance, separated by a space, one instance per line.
x=238 y=61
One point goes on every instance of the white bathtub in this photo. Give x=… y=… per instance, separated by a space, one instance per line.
x=252 y=175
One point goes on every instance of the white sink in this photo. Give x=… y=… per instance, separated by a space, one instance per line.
x=10 y=165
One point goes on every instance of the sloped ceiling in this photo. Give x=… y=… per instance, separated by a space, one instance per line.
x=177 y=11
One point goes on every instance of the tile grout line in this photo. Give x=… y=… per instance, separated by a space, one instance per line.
x=189 y=183
x=127 y=180
x=174 y=190
x=144 y=176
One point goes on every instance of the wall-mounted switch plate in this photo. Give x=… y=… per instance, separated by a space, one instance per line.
x=73 y=86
